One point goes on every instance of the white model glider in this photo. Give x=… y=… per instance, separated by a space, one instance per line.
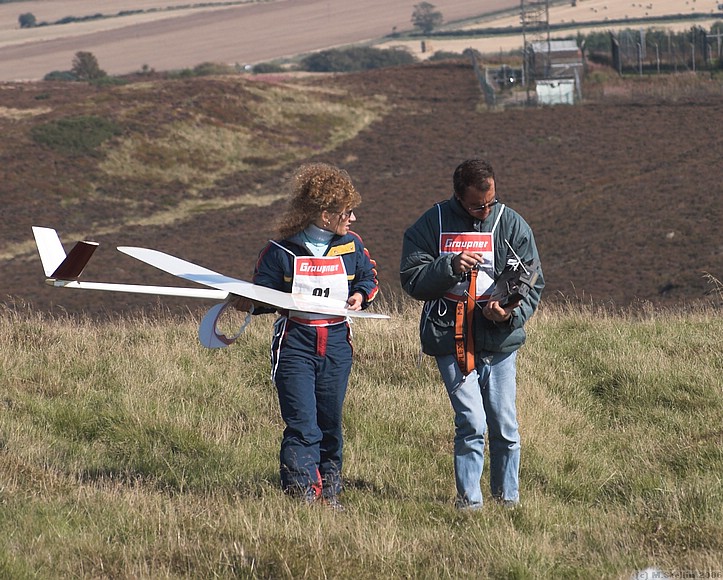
x=63 y=270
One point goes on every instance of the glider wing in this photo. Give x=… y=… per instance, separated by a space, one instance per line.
x=283 y=300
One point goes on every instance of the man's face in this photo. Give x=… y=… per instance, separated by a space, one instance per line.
x=478 y=203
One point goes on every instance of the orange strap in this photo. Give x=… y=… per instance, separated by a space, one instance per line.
x=459 y=345
x=464 y=327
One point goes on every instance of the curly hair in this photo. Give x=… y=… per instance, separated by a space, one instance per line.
x=316 y=187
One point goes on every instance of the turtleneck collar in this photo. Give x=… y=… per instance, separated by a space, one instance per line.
x=316 y=239
x=316 y=235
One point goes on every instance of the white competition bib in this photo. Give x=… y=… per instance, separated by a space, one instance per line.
x=322 y=277
x=480 y=242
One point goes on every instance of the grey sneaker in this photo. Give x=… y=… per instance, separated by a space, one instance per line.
x=509 y=504
x=333 y=503
x=466 y=506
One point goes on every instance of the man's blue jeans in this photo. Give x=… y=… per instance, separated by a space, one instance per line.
x=484 y=399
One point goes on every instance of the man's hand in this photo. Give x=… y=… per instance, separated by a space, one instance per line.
x=355 y=301
x=465 y=261
x=496 y=313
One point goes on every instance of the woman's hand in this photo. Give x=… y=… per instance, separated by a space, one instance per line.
x=355 y=301
x=242 y=303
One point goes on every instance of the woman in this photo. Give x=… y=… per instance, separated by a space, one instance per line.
x=311 y=354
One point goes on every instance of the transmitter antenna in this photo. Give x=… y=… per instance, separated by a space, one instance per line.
x=519 y=260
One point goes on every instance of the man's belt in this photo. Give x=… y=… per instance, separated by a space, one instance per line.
x=464 y=327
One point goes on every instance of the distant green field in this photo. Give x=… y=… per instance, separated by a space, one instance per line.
x=129 y=451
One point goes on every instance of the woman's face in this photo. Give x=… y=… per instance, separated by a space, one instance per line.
x=338 y=222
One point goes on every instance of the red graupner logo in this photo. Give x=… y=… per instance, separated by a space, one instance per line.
x=325 y=268
x=471 y=242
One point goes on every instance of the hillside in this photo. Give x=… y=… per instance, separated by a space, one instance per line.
x=624 y=195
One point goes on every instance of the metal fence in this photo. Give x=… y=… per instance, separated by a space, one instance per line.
x=646 y=51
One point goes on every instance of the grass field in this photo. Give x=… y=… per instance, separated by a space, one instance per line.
x=128 y=451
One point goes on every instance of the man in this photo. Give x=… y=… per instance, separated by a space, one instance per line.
x=451 y=258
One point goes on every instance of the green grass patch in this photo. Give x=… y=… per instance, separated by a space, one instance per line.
x=76 y=135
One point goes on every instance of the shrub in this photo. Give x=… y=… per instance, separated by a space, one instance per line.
x=75 y=135
x=268 y=67
x=444 y=55
x=60 y=75
x=212 y=68
x=355 y=59
x=202 y=70
x=85 y=67
x=27 y=20
x=108 y=81
x=183 y=73
x=71 y=19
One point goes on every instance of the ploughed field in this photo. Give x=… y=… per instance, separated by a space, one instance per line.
x=624 y=198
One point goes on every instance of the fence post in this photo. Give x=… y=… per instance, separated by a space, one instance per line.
x=657 y=57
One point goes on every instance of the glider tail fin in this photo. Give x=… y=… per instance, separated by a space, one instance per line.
x=56 y=264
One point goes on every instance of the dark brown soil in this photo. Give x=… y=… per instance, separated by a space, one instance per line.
x=624 y=198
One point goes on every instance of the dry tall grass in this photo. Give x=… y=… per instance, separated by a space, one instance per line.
x=281 y=124
x=128 y=451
